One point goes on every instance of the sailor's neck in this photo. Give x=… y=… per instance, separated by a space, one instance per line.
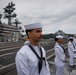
x=34 y=43
x=59 y=43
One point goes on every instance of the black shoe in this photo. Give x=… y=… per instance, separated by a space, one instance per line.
x=72 y=66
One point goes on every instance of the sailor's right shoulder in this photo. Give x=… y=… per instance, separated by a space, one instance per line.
x=69 y=43
x=55 y=48
x=23 y=49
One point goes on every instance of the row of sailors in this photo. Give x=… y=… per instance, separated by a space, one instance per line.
x=60 y=56
x=31 y=58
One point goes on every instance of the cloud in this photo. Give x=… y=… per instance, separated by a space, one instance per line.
x=53 y=14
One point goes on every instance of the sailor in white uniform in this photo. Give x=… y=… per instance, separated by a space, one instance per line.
x=71 y=51
x=60 y=57
x=31 y=58
x=74 y=42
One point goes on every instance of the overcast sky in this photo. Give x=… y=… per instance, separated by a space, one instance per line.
x=53 y=14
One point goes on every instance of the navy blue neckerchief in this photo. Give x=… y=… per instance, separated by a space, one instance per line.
x=40 y=58
x=73 y=45
x=63 y=48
